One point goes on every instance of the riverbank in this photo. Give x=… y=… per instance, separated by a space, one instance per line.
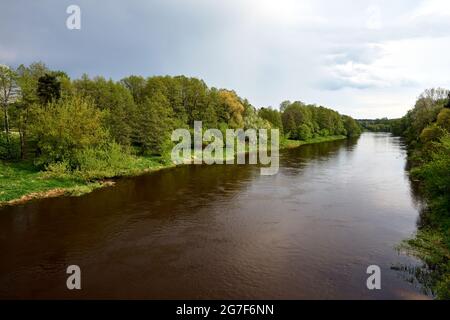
x=21 y=182
x=431 y=243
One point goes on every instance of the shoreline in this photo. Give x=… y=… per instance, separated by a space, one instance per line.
x=76 y=188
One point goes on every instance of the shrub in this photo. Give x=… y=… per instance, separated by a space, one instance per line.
x=9 y=150
x=58 y=170
x=443 y=119
x=304 y=132
x=431 y=133
x=65 y=127
x=107 y=161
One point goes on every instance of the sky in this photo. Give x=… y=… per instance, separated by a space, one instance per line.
x=367 y=59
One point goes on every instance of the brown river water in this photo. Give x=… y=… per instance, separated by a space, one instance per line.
x=225 y=231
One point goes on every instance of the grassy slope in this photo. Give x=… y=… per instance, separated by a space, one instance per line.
x=20 y=182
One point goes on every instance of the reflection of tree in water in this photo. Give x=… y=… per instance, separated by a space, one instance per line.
x=298 y=157
x=78 y=223
x=192 y=186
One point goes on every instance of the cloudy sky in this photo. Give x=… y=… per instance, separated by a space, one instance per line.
x=363 y=58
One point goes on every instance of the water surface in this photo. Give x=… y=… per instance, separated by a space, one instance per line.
x=224 y=231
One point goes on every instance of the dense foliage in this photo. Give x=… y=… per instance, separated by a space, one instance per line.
x=62 y=124
x=302 y=122
x=426 y=129
x=54 y=116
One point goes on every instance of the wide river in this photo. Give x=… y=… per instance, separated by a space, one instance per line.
x=225 y=231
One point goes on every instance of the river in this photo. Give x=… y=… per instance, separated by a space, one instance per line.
x=225 y=231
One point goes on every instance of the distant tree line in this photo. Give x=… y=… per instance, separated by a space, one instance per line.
x=377 y=125
x=300 y=121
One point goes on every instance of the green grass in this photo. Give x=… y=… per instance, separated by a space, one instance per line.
x=286 y=144
x=19 y=179
x=429 y=245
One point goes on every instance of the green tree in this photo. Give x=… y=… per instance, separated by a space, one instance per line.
x=304 y=132
x=443 y=119
x=65 y=127
x=136 y=86
x=48 y=88
x=447 y=105
x=8 y=93
x=28 y=82
x=352 y=127
x=234 y=107
x=117 y=102
x=273 y=116
x=154 y=124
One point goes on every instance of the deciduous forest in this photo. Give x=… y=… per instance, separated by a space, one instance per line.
x=93 y=128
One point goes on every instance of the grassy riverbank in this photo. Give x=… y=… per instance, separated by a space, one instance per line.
x=287 y=144
x=21 y=181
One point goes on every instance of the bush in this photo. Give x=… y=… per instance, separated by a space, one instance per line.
x=431 y=133
x=443 y=119
x=65 y=127
x=9 y=150
x=107 y=161
x=58 y=170
x=304 y=132
x=324 y=132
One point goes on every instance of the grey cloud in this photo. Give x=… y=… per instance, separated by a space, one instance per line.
x=227 y=43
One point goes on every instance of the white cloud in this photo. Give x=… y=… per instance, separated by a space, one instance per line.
x=373 y=18
x=429 y=8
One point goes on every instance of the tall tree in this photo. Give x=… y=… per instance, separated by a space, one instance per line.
x=234 y=107
x=48 y=88
x=447 y=105
x=27 y=80
x=8 y=93
x=154 y=124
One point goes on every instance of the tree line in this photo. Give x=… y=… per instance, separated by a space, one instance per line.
x=50 y=118
x=377 y=125
x=426 y=129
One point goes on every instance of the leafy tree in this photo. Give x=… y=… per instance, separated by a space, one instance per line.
x=136 y=86
x=447 y=105
x=443 y=119
x=252 y=119
x=48 y=88
x=233 y=107
x=66 y=126
x=117 y=102
x=431 y=133
x=304 y=132
x=273 y=116
x=352 y=127
x=28 y=82
x=154 y=124
x=8 y=93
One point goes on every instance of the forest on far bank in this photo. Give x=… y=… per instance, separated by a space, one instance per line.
x=95 y=124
